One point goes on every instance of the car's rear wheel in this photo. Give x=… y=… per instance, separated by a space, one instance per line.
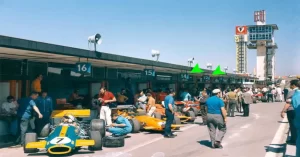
x=30 y=137
x=96 y=136
x=141 y=112
x=136 y=125
x=98 y=125
x=191 y=114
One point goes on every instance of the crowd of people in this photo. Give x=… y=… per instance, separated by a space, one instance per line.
x=33 y=112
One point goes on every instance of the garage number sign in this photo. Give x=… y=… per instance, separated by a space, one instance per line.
x=149 y=72
x=83 y=68
x=184 y=76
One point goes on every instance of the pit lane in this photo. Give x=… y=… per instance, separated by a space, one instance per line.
x=245 y=134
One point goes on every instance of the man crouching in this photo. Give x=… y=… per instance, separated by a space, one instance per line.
x=120 y=127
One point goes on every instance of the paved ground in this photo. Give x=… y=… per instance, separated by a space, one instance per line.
x=246 y=137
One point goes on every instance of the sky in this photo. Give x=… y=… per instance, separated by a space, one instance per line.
x=178 y=29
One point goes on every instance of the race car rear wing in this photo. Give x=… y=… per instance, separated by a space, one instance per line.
x=75 y=113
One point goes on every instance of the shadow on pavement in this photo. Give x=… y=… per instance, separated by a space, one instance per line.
x=205 y=143
x=276 y=148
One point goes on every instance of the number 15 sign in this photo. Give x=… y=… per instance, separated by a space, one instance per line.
x=83 y=68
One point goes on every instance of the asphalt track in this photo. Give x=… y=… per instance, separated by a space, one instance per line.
x=245 y=137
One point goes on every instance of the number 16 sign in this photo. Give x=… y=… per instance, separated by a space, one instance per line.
x=83 y=68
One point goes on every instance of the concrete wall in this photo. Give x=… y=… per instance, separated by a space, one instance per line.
x=261 y=62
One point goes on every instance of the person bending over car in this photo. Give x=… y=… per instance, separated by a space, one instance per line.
x=120 y=127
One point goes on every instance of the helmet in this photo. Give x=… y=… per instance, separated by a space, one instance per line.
x=70 y=117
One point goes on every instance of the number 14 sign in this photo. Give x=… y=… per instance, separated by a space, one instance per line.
x=83 y=68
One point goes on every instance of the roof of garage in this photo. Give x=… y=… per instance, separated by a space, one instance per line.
x=40 y=51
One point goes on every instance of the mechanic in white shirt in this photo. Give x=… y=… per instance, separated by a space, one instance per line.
x=10 y=106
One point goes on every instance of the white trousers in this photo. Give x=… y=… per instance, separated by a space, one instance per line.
x=105 y=114
x=151 y=111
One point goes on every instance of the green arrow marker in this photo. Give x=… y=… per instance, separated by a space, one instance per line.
x=218 y=71
x=196 y=69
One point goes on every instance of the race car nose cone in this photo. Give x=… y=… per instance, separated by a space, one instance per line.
x=59 y=150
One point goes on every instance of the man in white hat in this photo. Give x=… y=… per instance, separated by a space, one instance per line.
x=216 y=118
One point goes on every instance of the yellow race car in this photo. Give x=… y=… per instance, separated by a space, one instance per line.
x=143 y=122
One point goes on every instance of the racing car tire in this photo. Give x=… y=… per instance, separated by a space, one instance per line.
x=45 y=130
x=98 y=125
x=176 y=121
x=96 y=136
x=195 y=110
x=141 y=112
x=191 y=114
x=157 y=115
x=136 y=125
x=111 y=141
x=30 y=137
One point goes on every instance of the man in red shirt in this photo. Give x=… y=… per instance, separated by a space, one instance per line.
x=105 y=98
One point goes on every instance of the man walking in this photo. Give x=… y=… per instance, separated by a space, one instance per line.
x=246 y=101
x=232 y=100
x=106 y=98
x=169 y=110
x=216 y=118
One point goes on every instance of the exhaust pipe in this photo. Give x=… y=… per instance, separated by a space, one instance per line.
x=59 y=150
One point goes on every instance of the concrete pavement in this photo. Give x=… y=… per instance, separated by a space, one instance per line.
x=245 y=137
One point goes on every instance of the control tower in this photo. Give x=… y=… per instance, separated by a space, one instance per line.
x=261 y=38
x=241 y=40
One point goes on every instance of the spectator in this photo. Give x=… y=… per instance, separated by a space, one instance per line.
x=9 y=109
x=26 y=113
x=232 y=100
x=36 y=84
x=150 y=104
x=203 y=106
x=239 y=102
x=142 y=100
x=45 y=105
x=106 y=98
x=289 y=110
x=295 y=101
x=285 y=93
x=246 y=101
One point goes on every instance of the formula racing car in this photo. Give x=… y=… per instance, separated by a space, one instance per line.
x=69 y=136
x=143 y=122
